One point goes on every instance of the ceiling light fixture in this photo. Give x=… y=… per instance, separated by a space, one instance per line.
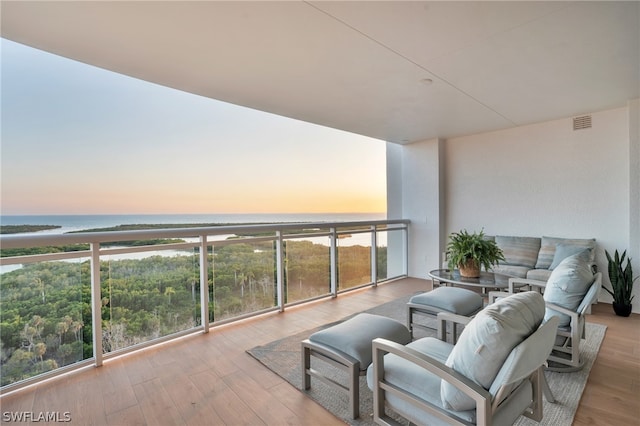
x=426 y=81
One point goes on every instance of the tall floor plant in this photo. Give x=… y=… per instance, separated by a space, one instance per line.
x=621 y=277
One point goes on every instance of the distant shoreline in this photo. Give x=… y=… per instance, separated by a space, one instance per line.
x=61 y=224
x=22 y=229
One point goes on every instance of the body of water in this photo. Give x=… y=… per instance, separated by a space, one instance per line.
x=69 y=223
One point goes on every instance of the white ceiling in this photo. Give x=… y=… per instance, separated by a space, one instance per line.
x=360 y=66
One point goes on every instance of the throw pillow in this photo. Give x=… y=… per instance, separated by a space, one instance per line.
x=487 y=341
x=568 y=284
x=549 y=244
x=519 y=251
x=563 y=251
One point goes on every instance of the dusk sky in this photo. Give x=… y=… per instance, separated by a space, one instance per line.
x=77 y=139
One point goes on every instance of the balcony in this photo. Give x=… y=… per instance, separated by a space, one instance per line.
x=89 y=297
x=188 y=376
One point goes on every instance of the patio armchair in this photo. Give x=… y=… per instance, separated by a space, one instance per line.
x=491 y=376
x=565 y=355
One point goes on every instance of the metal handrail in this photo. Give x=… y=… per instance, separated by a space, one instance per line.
x=24 y=241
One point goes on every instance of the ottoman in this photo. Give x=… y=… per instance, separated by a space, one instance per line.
x=456 y=300
x=347 y=346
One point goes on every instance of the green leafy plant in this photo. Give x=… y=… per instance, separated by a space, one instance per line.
x=621 y=278
x=465 y=248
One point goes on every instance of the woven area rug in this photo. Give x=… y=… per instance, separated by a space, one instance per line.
x=283 y=357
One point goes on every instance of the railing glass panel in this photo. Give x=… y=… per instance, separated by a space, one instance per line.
x=149 y=295
x=243 y=279
x=45 y=317
x=391 y=253
x=382 y=271
x=354 y=258
x=397 y=246
x=307 y=268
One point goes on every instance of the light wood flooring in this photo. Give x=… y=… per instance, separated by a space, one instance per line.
x=209 y=379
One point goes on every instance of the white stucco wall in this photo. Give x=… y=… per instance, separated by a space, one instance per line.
x=543 y=179
x=634 y=190
x=414 y=189
x=535 y=180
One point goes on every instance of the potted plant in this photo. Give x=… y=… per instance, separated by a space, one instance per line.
x=621 y=278
x=468 y=252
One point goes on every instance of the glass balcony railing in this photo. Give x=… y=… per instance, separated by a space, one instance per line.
x=71 y=300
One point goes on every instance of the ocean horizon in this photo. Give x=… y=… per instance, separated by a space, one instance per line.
x=69 y=223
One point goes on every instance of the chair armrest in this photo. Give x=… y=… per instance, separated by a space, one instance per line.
x=562 y=310
x=458 y=319
x=574 y=321
x=443 y=317
x=481 y=396
x=495 y=295
x=521 y=282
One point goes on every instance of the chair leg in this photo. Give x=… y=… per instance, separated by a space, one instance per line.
x=328 y=355
x=410 y=321
x=306 y=364
x=378 y=393
x=354 y=390
x=546 y=389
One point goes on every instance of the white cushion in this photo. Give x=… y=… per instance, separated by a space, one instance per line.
x=488 y=339
x=568 y=284
x=458 y=300
x=417 y=380
x=353 y=336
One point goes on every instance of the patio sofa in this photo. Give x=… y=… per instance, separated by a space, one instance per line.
x=535 y=258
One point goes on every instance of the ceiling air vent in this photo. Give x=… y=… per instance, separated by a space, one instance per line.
x=583 y=122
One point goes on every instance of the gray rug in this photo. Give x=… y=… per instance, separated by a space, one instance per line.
x=283 y=357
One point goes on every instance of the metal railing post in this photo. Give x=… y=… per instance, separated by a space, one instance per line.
x=279 y=271
x=204 y=284
x=96 y=304
x=333 y=255
x=374 y=256
x=406 y=250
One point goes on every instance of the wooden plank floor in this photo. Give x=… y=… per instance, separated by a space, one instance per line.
x=209 y=379
x=612 y=394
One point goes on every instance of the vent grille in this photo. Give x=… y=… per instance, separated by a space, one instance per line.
x=583 y=122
